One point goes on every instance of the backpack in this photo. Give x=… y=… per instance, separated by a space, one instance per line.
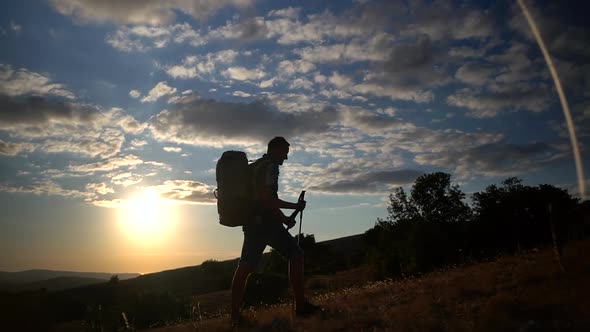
x=235 y=199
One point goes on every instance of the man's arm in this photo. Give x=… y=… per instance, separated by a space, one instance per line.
x=273 y=204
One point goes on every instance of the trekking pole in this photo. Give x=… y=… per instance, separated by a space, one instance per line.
x=301 y=198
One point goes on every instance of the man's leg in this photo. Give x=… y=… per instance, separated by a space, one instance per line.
x=296 y=277
x=237 y=289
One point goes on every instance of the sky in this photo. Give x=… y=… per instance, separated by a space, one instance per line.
x=113 y=114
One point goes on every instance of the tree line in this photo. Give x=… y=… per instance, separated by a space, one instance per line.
x=432 y=225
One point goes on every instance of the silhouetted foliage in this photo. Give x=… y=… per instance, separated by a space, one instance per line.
x=422 y=230
x=433 y=226
x=514 y=217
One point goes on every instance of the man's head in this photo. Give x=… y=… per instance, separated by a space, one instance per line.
x=278 y=149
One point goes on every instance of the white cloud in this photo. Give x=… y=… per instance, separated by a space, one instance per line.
x=241 y=94
x=142 y=38
x=289 y=12
x=267 y=84
x=172 y=149
x=290 y=68
x=23 y=82
x=186 y=191
x=45 y=187
x=201 y=65
x=244 y=74
x=182 y=72
x=134 y=94
x=107 y=165
x=160 y=90
x=100 y=188
x=301 y=83
x=125 y=179
x=141 y=12
x=139 y=142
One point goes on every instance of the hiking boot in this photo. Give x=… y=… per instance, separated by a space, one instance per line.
x=308 y=309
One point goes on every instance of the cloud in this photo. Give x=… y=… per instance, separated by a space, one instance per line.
x=45 y=187
x=368 y=182
x=181 y=72
x=107 y=165
x=24 y=82
x=160 y=90
x=215 y=123
x=497 y=159
x=55 y=126
x=172 y=149
x=341 y=53
x=99 y=188
x=268 y=83
x=140 y=12
x=474 y=73
x=359 y=23
x=142 y=38
x=251 y=28
x=445 y=20
x=243 y=74
x=139 y=143
x=13 y=149
x=201 y=65
x=15 y=27
x=488 y=104
x=134 y=94
x=126 y=179
x=289 y=68
x=562 y=35
x=241 y=94
x=289 y=12
x=187 y=191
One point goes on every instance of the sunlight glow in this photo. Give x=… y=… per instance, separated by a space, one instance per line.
x=146 y=218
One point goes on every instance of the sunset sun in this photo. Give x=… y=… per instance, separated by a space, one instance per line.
x=145 y=217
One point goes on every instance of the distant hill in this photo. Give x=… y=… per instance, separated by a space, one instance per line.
x=52 y=284
x=54 y=280
x=217 y=276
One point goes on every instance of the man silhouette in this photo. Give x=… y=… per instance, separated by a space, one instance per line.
x=267 y=229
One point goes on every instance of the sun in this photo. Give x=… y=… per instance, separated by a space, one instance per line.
x=147 y=218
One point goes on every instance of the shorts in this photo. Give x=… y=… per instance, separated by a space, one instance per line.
x=259 y=234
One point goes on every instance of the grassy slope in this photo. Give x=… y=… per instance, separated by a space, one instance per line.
x=515 y=293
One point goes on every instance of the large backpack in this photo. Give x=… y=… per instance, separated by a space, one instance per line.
x=235 y=194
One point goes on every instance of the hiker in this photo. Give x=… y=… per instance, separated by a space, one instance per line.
x=267 y=229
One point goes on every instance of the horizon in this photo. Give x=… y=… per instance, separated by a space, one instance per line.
x=113 y=115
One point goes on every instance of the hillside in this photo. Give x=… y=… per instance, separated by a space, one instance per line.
x=513 y=293
x=206 y=278
x=36 y=279
x=53 y=284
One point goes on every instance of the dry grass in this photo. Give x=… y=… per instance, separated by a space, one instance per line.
x=516 y=293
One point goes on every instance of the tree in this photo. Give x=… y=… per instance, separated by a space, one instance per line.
x=422 y=230
x=514 y=216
